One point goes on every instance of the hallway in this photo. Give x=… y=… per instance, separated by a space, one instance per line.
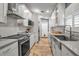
x=41 y=49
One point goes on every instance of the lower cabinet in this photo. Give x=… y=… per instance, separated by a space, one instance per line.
x=11 y=50
x=56 y=51
x=66 y=51
x=31 y=40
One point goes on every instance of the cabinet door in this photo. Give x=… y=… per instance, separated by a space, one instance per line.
x=11 y=50
x=3 y=12
x=20 y=10
x=31 y=40
x=66 y=52
x=57 y=51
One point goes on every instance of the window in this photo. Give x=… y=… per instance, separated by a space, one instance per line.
x=69 y=20
x=76 y=21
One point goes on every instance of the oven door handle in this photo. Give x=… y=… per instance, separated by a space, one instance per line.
x=23 y=42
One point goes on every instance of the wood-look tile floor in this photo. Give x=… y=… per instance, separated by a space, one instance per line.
x=41 y=49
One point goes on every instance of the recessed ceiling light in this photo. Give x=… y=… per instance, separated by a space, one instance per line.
x=57 y=11
x=26 y=11
x=36 y=10
x=47 y=11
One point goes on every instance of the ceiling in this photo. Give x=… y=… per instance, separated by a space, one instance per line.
x=44 y=9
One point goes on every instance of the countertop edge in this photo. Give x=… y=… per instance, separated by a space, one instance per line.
x=3 y=46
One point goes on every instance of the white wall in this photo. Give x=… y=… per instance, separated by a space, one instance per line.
x=35 y=27
x=45 y=28
x=11 y=27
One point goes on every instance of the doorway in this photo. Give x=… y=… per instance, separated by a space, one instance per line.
x=44 y=26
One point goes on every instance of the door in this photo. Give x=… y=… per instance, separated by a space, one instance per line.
x=45 y=28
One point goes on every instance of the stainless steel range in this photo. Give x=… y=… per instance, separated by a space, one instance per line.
x=24 y=46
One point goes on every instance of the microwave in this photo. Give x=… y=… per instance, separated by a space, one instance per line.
x=30 y=23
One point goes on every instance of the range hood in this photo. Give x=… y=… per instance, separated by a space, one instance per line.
x=14 y=14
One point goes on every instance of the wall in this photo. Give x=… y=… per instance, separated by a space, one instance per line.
x=35 y=27
x=10 y=28
x=45 y=28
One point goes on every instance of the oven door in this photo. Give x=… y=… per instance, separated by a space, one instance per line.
x=24 y=48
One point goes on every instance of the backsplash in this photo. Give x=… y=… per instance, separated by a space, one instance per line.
x=58 y=29
x=10 y=28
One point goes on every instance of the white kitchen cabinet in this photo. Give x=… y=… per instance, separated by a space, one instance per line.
x=56 y=50
x=32 y=41
x=11 y=50
x=66 y=51
x=3 y=12
x=24 y=11
x=25 y=22
x=21 y=9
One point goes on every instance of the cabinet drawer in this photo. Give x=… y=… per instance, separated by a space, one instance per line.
x=9 y=50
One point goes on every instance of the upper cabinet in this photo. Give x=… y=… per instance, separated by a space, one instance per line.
x=3 y=12
x=24 y=11
x=26 y=14
x=19 y=11
x=14 y=11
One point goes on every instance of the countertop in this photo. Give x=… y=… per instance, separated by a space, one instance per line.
x=56 y=34
x=72 y=45
x=5 y=42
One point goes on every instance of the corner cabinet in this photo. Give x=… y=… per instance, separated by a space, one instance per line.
x=3 y=12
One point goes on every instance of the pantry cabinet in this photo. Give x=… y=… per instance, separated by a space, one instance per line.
x=3 y=12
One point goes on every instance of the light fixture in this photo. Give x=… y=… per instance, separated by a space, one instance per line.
x=26 y=11
x=47 y=11
x=36 y=10
x=57 y=11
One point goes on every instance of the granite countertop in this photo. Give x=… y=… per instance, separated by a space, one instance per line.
x=72 y=45
x=5 y=42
